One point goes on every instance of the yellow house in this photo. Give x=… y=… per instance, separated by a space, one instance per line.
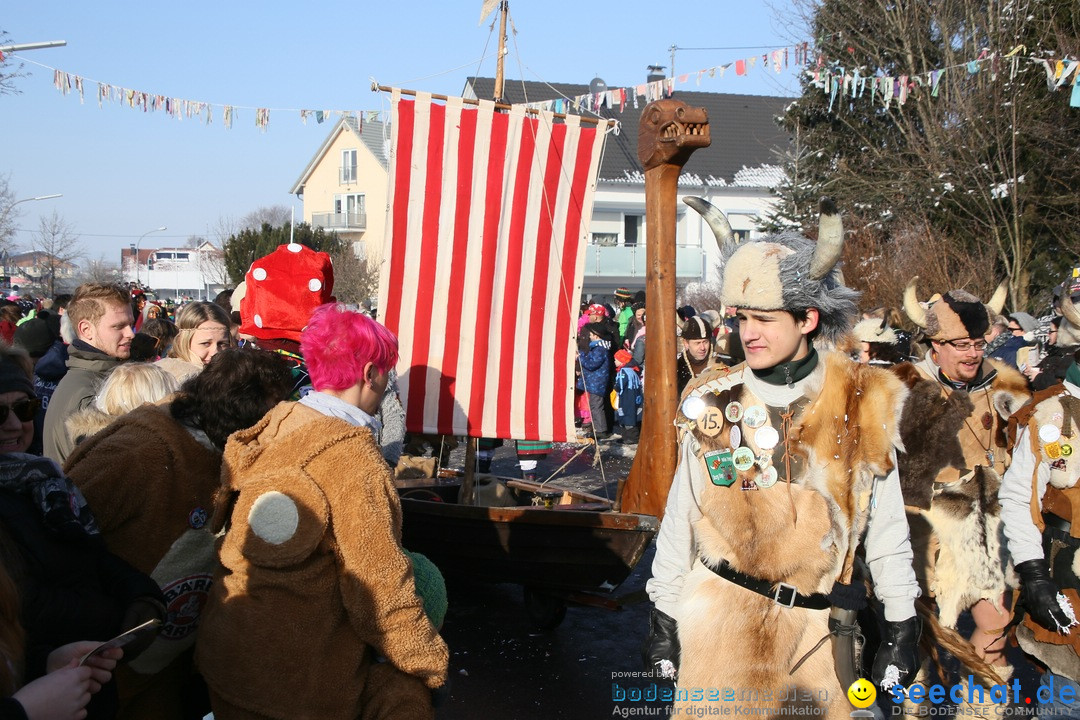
x=344 y=186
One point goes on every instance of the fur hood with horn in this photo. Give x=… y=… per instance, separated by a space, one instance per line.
x=786 y=270
x=958 y=314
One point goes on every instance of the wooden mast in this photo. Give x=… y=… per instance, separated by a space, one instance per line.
x=668 y=133
x=504 y=8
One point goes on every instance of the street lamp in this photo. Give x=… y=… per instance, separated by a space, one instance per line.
x=137 y=244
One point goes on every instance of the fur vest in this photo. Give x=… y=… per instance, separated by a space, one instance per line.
x=313 y=580
x=956 y=450
x=840 y=441
x=1055 y=408
x=804 y=533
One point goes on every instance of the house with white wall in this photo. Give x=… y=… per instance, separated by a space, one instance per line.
x=345 y=184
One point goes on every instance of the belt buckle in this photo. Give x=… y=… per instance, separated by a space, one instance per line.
x=785 y=588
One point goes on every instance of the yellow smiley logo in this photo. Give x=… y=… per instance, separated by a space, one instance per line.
x=862 y=693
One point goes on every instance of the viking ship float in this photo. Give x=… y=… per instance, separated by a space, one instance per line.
x=483 y=265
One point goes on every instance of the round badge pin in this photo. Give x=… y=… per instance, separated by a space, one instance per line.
x=743 y=458
x=767 y=478
x=755 y=416
x=733 y=412
x=197 y=518
x=692 y=408
x=735 y=439
x=1066 y=449
x=1049 y=433
x=766 y=438
x=711 y=421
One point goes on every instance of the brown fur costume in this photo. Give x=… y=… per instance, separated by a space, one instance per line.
x=804 y=533
x=151 y=484
x=950 y=488
x=1053 y=406
x=313 y=580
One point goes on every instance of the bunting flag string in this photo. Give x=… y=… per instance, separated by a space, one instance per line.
x=180 y=109
x=830 y=77
x=887 y=89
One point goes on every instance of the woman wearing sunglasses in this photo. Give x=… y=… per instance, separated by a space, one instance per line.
x=69 y=587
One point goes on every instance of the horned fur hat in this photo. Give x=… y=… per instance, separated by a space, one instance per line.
x=875 y=331
x=958 y=314
x=786 y=271
x=1069 y=329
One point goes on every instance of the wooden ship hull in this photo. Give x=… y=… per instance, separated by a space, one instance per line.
x=576 y=543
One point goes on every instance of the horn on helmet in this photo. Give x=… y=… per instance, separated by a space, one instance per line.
x=912 y=307
x=997 y=302
x=830 y=242
x=717 y=220
x=1069 y=310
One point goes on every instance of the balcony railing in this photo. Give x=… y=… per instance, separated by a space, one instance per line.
x=603 y=261
x=340 y=221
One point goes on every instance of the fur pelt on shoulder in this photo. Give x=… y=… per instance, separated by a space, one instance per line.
x=930 y=428
x=87 y=422
x=804 y=533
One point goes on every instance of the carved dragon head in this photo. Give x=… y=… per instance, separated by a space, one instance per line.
x=669 y=131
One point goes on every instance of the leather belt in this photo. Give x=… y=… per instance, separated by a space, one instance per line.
x=1058 y=528
x=782 y=594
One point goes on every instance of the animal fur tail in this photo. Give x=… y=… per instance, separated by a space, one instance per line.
x=935 y=634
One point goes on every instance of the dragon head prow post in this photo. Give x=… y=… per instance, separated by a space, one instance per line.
x=669 y=131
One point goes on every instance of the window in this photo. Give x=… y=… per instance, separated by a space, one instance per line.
x=605 y=239
x=348 y=167
x=631 y=229
x=349 y=209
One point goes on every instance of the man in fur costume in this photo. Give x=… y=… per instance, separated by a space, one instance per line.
x=787 y=465
x=1040 y=503
x=1064 y=342
x=954 y=432
x=698 y=354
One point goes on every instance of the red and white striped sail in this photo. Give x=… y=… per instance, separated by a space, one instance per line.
x=483 y=263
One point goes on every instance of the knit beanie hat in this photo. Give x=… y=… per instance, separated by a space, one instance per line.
x=34 y=336
x=622 y=294
x=13 y=377
x=283 y=289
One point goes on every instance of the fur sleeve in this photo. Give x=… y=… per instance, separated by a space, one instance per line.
x=377 y=585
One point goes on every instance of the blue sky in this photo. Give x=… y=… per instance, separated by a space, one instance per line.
x=123 y=172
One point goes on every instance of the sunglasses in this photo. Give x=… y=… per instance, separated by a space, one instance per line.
x=25 y=410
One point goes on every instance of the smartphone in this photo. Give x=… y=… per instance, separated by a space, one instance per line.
x=139 y=632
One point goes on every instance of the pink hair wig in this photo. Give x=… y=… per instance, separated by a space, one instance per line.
x=337 y=343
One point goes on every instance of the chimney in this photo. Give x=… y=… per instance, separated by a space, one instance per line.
x=656 y=72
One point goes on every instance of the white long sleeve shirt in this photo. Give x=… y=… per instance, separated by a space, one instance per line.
x=1024 y=539
x=887 y=542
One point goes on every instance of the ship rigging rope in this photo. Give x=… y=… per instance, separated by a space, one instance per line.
x=564 y=292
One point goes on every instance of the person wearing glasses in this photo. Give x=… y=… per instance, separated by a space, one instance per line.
x=68 y=588
x=954 y=432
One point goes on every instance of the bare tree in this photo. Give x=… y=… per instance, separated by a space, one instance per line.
x=10 y=71
x=982 y=155
x=274 y=215
x=8 y=215
x=58 y=249
x=355 y=279
x=101 y=271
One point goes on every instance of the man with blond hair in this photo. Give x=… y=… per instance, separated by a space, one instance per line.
x=101 y=320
